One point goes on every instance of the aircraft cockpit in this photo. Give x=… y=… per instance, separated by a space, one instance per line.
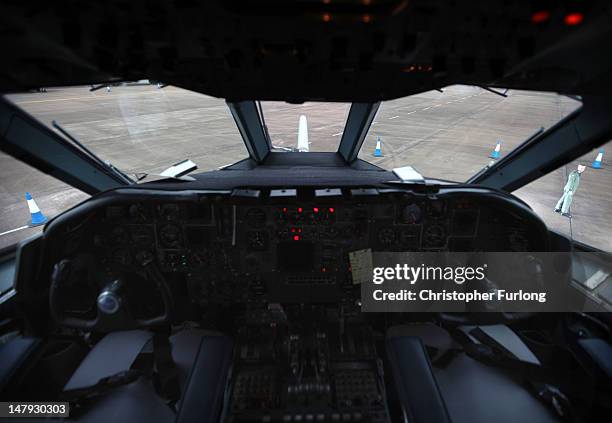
x=335 y=211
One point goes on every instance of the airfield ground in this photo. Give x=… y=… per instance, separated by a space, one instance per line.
x=448 y=135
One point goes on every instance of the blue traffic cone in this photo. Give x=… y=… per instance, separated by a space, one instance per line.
x=377 y=150
x=496 y=150
x=597 y=162
x=37 y=217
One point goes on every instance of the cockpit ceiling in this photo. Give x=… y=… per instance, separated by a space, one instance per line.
x=335 y=50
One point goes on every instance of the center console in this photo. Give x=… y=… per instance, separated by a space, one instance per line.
x=324 y=370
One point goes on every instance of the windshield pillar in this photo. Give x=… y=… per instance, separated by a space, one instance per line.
x=358 y=123
x=248 y=120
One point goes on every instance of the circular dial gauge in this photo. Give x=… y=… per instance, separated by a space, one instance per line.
x=257 y=240
x=411 y=214
x=139 y=212
x=170 y=236
x=435 y=236
x=169 y=211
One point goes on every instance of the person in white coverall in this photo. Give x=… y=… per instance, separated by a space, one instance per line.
x=573 y=180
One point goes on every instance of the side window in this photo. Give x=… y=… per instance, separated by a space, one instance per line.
x=584 y=201
x=28 y=198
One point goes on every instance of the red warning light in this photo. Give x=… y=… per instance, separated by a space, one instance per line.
x=573 y=19
x=300 y=210
x=292 y=230
x=284 y=209
x=299 y=230
x=316 y=210
x=540 y=16
x=296 y=237
x=331 y=210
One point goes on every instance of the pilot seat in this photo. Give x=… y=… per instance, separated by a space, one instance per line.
x=109 y=387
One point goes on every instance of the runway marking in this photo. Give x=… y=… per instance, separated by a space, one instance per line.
x=427 y=108
x=437 y=105
x=409 y=113
x=90 y=97
x=393 y=117
x=335 y=135
x=14 y=230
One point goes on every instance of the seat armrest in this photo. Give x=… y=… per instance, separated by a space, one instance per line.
x=13 y=355
x=416 y=386
x=203 y=395
x=600 y=352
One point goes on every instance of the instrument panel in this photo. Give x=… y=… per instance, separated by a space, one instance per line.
x=249 y=243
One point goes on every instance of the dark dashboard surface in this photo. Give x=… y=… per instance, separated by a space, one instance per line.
x=284 y=245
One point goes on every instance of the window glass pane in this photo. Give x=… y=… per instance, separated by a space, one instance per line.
x=7 y=275
x=50 y=195
x=140 y=128
x=589 y=205
x=452 y=134
x=324 y=124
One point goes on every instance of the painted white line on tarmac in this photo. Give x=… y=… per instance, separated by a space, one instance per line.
x=427 y=108
x=335 y=135
x=393 y=117
x=90 y=97
x=14 y=230
x=409 y=113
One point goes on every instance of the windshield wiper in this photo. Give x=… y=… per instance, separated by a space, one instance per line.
x=105 y=165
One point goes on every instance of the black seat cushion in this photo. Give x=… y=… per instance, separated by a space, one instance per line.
x=202 y=359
